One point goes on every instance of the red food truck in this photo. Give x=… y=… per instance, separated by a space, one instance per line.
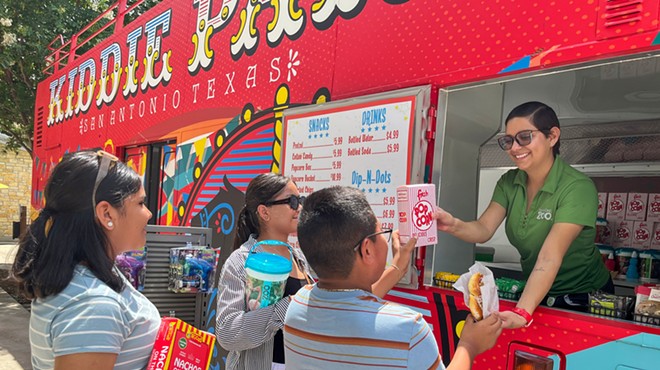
x=200 y=96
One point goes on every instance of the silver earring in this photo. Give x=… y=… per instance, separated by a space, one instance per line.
x=110 y=224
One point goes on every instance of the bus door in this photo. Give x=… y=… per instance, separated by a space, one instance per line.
x=154 y=162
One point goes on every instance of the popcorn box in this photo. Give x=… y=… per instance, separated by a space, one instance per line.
x=602 y=202
x=636 y=206
x=622 y=236
x=180 y=346
x=641 y=234
x=616 y=206
x=653 y=208
x=655 y=236
x=415 y=204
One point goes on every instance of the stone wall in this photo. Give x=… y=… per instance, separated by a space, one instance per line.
x=16 y=173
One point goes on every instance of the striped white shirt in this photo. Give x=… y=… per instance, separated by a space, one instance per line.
x=88 y=316
x=247 y=335
x=355 y=330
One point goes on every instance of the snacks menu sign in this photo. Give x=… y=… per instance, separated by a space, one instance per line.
x=367 y=146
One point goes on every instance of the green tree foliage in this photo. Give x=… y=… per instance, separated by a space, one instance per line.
x=26 y=30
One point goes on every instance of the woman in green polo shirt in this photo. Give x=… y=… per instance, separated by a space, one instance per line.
x=550 y=210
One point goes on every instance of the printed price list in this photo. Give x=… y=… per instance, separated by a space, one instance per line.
x=367 y=148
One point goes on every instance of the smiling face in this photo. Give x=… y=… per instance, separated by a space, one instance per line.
x=280 y=219
x=129 y=232
x=538 y=153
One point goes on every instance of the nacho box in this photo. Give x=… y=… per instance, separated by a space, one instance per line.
x=415 y=204
x=180 y=346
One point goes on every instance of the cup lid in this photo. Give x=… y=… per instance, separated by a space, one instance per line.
x=268 y=263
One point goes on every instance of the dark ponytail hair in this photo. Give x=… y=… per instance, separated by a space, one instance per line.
x=67 y=232
x=540 y=115
x=260 y=190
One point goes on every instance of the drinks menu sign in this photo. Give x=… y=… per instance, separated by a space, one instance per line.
x=367 y=146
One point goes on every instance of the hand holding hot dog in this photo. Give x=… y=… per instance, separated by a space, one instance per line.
x=476 y=338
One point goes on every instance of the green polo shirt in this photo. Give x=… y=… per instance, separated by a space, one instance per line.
x=567 y=196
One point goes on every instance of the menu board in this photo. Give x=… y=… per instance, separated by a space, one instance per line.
x=367 y=146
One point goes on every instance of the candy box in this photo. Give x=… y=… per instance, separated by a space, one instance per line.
x=415 y=205
x=192 y=269
x=636 y=206
x=180 y=346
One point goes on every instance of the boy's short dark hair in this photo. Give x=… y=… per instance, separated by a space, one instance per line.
x=333 y=220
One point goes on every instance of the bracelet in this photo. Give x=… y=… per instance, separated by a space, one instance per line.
x=524 y=314
x=395 y=267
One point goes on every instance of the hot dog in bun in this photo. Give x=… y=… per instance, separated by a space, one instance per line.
x=474 y=286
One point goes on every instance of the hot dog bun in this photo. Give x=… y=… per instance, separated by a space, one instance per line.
x=475 y=304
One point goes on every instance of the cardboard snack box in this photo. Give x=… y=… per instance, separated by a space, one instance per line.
x=653 y=208
x=622 y=234
x=636 y=206
x=602 y=204
x=616 y=206
x=415 y=205
x=180 y=346
x=641 y=234
x=655 y=236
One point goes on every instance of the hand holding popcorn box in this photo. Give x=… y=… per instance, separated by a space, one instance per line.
x=415 y=205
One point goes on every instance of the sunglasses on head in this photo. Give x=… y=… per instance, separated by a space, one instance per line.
x=523 y=138
x=107 y=159
x=293 y=201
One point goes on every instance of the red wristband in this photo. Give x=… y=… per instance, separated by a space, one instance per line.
x=525 y=315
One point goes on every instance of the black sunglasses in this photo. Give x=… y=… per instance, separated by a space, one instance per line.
x=388 y=233
x=293 y=201
x=523 y=138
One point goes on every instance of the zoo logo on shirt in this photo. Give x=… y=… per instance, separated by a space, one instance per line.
x=544 y=214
